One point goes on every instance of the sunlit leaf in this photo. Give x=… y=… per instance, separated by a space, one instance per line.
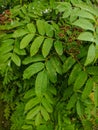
x=36 y=45
x=16 y=59
x=40 y=26
x=32 y=69
x=47 y=45
x=31 y=28
x=86 y=36
x=26 y=40
x=91 y=55
x=85 y=24
x=58 y=47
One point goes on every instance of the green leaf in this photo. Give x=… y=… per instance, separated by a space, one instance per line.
x=17 y=49
x=48 y=30
x=27 y=127
x=91 y=55
x=85 y=14
x=80 y=108
x=32 y=69
x=74 y=73
x=30 y=93
x=68 y=64
x=26 y=40
x=45 y=114
x=31 y=28
x=41 y=27
x=72 y=101
x=69 y=127
x=47 y=45
x=36 y=45
x=56 y=64
x=32 y=103
x=4 y=58
x=51 y=72
x=88 y=88
x=86 y=36
x=58 y=47
x=96 y=95
x=85 y=24
x=41 y=83
x=16 y=59
x=80 y=81
x=35 y=58
x=20 y=33
x=47 y=105
x=5 y=49
x=49 y=98
x=92 y=70
x=38 y=119
x=52 y=90
x=68 y=9
x=32 y=113
x=87 y=8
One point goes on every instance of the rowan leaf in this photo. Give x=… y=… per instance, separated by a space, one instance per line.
x=74 y=74
x=86 y=36
x=51 y=72
x=47 y=45
x=56 y=64
x=84 y=24
x=80 y=108
x=36 y=45
x=45 y=114
x=30 y=93
x=32 y=69
x=85 y=14
x=26 y=40
x=33 y=112
x=91 y=55
x=16 y=59
x=48 y=29
x=41 y=27
x=38 y=119
x=31 y=28
x=68 y=64
x=88 y=88
x=32 y=103
x=47 y=105
x=35 y=58
x=72 y=101
x=92 y=70
x=58 y=47
x=20 y=33
x=96 y=94
x=80 y=81
x=41 y=83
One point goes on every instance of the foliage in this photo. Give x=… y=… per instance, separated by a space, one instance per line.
x=48 y=65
